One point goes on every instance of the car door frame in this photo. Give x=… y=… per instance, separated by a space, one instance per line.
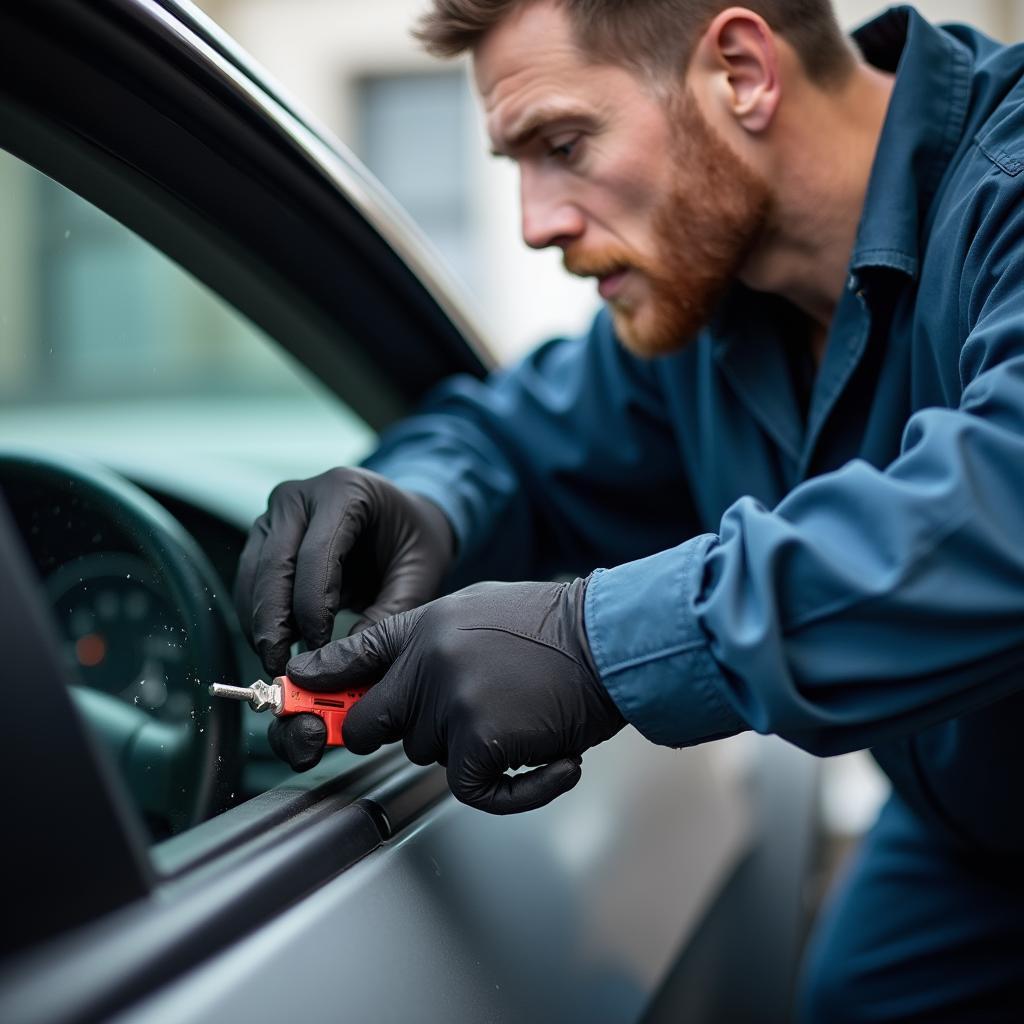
x=287 y=227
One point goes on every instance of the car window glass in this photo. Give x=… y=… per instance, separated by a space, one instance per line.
x=111 y=353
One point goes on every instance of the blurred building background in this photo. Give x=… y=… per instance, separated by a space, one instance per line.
x=413 y=121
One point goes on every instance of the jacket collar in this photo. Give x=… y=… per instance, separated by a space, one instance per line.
x=922 y=128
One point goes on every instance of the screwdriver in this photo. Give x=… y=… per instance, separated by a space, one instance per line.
x=283 y=697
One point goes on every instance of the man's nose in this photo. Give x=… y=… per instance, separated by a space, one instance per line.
x=548 y=218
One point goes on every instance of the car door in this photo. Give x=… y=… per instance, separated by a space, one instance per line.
x=362 y=888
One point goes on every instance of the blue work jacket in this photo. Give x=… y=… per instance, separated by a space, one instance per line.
x=835 y=557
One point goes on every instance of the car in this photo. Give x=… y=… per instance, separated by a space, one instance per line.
x=203 y=294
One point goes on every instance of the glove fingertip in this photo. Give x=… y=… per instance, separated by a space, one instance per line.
x=316 y=625
x=356 y=730
x=542 y=785
x=526 y=792
x=567 y=773
x=298 y=740
x=317 y=638
x=274 y=655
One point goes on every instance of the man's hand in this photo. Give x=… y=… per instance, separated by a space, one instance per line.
x=345 y=539
x=492 y=678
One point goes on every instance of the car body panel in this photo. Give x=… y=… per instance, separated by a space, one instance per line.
x=572 y=912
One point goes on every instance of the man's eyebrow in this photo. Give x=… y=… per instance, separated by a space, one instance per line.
x=523 y=130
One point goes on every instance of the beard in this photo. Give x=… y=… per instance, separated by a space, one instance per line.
x=705 y=228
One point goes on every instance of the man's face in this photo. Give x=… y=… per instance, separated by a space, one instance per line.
x=637 y=190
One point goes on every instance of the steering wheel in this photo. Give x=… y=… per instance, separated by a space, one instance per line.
x=177 y=771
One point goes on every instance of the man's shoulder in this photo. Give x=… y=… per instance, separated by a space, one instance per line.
x=995 y=116
x=983 y=188
x=1000 y=138
x=975 y=229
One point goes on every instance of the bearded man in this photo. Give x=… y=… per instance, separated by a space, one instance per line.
x=795 y=437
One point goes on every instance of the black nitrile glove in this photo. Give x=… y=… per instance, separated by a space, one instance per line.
x=300 y=740
x=488 y=679
x=348 y=538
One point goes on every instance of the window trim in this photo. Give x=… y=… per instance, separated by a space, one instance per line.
x=140 y=131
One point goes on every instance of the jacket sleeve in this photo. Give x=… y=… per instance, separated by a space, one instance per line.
x=564 y=461
x=870 y=603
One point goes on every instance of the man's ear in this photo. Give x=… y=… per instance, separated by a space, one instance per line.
x=739 y=60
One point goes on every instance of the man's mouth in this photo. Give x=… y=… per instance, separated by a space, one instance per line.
x=609 y=285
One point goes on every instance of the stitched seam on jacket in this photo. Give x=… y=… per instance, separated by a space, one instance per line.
x=1001 y=158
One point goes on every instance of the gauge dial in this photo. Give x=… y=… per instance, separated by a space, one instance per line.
x=120 y=633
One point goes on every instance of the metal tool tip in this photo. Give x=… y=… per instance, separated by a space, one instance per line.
x=223 y=690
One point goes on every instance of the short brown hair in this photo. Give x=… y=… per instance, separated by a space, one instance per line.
x=652 y=37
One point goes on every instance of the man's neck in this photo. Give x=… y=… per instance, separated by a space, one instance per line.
x=826 y=146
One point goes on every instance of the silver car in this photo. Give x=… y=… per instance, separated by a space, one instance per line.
x=203 y=294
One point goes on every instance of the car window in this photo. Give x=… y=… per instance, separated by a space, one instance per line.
x=111 y=353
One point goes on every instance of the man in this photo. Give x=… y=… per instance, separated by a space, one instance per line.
x=796 y=436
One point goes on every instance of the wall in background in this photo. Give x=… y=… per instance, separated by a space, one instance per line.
x=345 y=61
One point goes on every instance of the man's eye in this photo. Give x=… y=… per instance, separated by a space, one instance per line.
x=564 y=150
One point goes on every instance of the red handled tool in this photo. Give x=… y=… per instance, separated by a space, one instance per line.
x=283 y=697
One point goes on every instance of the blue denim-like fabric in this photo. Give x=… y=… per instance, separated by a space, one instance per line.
x=845 y=570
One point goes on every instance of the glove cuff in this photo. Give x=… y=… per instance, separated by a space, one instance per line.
x=437 y=523
x=576 y=595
